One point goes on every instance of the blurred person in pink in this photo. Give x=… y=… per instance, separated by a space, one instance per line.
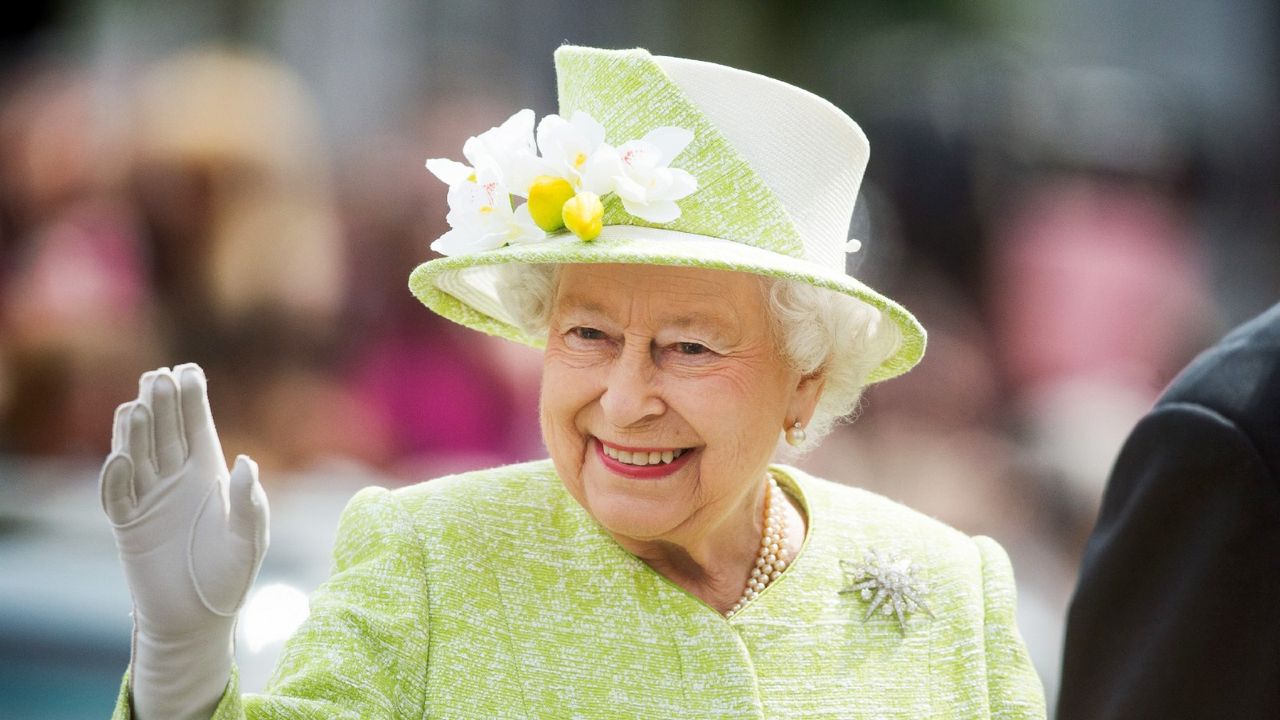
x=75 y=317
x=446 y=399
x=1101 y=222
x=233 y=183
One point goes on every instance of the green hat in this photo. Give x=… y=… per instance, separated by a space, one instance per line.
x=696 y=165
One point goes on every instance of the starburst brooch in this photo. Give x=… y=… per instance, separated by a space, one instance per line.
x=888 y=584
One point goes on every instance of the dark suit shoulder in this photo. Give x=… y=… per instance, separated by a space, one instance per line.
x=1175 y=613
x=1239 y=379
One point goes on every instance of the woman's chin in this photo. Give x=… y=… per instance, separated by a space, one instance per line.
x=631 y=517
x=638 y=507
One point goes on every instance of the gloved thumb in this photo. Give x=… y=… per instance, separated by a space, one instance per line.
x=116 y=488
x=248 y=504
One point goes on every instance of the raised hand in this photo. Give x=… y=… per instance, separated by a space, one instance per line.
x=191 y=537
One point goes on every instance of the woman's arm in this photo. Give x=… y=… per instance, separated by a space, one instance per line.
x=1013 y=687
x=191 y=536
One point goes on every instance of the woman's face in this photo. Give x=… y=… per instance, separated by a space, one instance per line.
x=663 y=395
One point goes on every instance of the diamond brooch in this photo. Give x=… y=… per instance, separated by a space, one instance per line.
x=888 y=584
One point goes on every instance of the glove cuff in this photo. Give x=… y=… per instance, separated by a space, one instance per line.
x=181 y=678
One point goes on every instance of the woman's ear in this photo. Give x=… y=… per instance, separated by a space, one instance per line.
x=805 y=399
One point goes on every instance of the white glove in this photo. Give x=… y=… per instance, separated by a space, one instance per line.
x=191 y=537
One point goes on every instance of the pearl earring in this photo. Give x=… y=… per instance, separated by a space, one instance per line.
x=795 y=435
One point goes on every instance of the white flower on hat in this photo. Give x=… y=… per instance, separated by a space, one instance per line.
x=481 y=217
x=638 y=171
x=500 y=150
x=563 y=185
x=568 y=148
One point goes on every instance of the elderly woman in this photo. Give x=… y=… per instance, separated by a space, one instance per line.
x=680 y=254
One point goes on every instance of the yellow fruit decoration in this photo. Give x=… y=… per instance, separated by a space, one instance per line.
x=584 y=215
x=547 y=196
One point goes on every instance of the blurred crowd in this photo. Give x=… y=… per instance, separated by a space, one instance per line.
x=209 y=225
x=1070 y=236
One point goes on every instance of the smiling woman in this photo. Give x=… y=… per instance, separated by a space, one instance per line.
x=683 y=266
x=651 y=360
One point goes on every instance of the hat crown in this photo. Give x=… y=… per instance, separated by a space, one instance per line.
x=777 y=170
x=778 y=167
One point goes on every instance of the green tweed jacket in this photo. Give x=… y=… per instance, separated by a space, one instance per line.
x=493 y=594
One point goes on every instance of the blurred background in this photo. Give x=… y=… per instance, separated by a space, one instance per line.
x=1074 y=197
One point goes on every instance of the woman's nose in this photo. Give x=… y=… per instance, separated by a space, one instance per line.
x=631 y=393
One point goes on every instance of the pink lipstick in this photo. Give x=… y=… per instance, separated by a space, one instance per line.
x=652 y=471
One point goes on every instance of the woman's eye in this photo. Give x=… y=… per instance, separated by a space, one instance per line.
x=691 y=348
x=586 y=333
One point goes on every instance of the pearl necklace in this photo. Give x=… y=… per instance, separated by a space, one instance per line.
x=772 y=558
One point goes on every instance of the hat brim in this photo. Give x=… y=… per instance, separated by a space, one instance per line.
x=462 y=288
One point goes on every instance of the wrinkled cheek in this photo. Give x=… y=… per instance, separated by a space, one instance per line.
x=564 y=442
x=544 y=414
x=547 y=420
x=745 y=439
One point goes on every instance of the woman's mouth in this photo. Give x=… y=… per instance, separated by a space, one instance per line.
x=642 y=457
x=641 y=462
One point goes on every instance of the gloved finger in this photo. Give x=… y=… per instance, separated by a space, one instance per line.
x=142 y=451
x=197 y=420
x=120 y=428
x=144 y=384
x=115 y=486
x=170 y=444
x=248 y=511
x=145 y=381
